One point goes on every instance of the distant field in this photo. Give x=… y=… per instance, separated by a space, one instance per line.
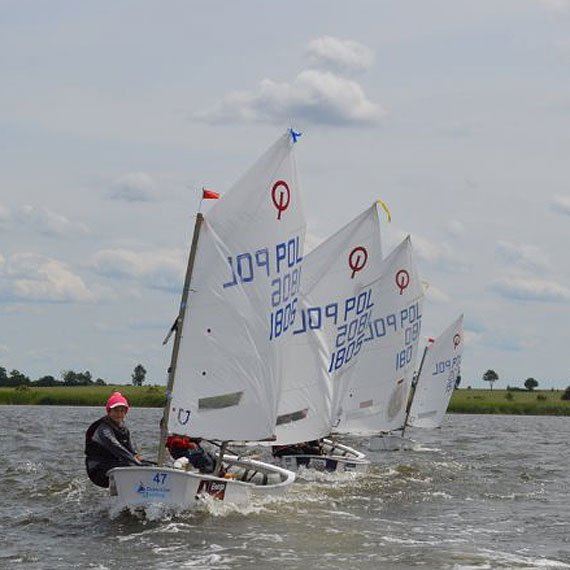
x=537 y=402
x=464 y=401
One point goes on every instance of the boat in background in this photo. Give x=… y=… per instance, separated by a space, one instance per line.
x=432 y=388
x=437 y=378
x=335 y=306
x=375 y=402
x=238 y=305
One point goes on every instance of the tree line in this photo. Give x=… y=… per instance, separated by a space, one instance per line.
x=16 y=378
x=530 y=383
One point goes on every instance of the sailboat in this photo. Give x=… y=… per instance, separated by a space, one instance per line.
x=335 y=307
x=238 y=304
x=437 y=378
x=432 y=387
x=375 y=401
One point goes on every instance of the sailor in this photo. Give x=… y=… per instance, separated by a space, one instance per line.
x=108 y=442
x=313 y=447
x=184 y=446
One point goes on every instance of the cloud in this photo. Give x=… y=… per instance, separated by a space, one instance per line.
x=556 y=6
x=455 y=228
x=435 y=295
x=526 y=256
x=435 y=255
x=343 y=56
x=561 y=205
x=159 y=269
x=44 y=221
x=315 y=95
x=133 y=187
x=34 y=278
x=531 y=290
x=4 y=216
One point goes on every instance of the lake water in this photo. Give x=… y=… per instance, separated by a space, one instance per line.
x=483 y=492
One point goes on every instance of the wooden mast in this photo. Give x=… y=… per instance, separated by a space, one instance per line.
x=162 y=453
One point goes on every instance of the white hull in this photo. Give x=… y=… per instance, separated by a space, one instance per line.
x=245 y=480
x=337 y=458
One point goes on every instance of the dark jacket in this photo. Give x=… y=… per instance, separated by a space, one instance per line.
x=107 y=445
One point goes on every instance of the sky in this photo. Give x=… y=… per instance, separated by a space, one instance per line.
x=113 y=116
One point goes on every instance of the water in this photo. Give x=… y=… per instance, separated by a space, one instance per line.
x=484 y=492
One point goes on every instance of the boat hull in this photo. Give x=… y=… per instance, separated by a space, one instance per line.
x=337 y=458
x=245 y=480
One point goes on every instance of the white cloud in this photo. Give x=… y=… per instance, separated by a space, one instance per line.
x=561 y=204
x=133 y=187
x=159 y=269
x=315 y=95
x=531 y=290
x=45 y=221
x=435 y=295
x=526 y=256
x=339 y=55
x=4 y=216
x=455 y=228
x=35 y=278
x=556 y=6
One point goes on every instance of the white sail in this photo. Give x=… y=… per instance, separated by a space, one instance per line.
x=241 y=304
x=331 y=320
x=436 y=381
x=380 y=382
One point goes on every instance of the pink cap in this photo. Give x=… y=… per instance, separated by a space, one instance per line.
x=116 y=399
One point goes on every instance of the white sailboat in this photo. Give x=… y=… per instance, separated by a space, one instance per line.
x=334 y=310
x=436 y=378
x=237 y=309
x=375 y=402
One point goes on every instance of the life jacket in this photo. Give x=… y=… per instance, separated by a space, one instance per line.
x=97 y=452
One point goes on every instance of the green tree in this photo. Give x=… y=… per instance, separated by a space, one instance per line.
x=47 y=381
x=138 y=375
x=530 y=384
x=566 y=395
x=490 y=376
x=72 y=378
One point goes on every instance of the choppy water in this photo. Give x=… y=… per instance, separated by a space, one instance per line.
x=484 y=492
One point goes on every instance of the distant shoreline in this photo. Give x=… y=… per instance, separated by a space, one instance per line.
x=463 y=401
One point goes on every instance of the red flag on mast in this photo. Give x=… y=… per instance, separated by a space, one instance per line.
x=209 y=195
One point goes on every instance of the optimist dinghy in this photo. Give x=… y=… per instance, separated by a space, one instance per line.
x=238 y=305
x=335 y=307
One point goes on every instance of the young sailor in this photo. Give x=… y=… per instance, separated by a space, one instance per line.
x=108 y=442
x=183 y=446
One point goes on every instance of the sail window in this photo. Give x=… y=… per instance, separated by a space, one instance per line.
x=292 y=417
x=220 y=402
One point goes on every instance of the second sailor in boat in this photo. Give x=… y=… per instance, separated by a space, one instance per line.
x=184 y=446
x=313 y=447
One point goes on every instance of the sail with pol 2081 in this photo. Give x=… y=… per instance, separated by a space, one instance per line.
x=241 y=305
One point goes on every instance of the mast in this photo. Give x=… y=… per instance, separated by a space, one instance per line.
x=177 y=337
x=414 y=387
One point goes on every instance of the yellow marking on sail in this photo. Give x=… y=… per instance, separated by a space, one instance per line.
x=385 y=208
x=425 y=285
